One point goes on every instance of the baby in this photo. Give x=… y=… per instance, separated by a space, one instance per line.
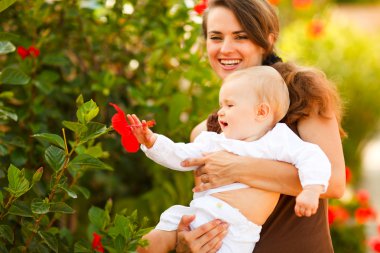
x=252 y=102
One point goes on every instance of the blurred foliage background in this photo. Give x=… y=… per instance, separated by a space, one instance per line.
x=149 y=58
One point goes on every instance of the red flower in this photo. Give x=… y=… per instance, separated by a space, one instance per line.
x=302 y=4
x=363 y=197
x=348 y=175
x=316 y=28
x=97 y=243
x=31 y=51
x=274 y=2
x=374 y=243
x=34 y=51
x=120 y=124
x=337 y=214
x=363 y=214
x=23 y=52
x=201 y=7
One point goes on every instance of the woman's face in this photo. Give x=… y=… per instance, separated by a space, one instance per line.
x=228 y=46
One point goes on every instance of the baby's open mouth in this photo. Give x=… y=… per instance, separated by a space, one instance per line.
x=223 y=123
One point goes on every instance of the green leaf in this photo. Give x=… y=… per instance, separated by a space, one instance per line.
x=6 y=232
x=87 y=112
x=94 y=130
x=3 y=249
x=12 y=75
x=98 y=217
x=1 y=199
x=7 y=113
x=37 y=175
x=7 y=36
x=120 y=243
x=82 y=246
x=56 y=60
x=85 y=162
x=79 y=101
x=69 y=192
x=4 y=4
x=6 y=47
x=61 y=207
x=21 y=209
x=51 y=138
x=55 y=157
x=18 y=184
x=39 y=206
x=76 y=127
x=85 y=192
x=121 y=225
x=50 y=240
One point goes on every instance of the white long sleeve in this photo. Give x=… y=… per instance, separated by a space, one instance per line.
x=170 y=154
x=278 y=144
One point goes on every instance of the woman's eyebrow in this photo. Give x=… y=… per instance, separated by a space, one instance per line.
x=217 y=32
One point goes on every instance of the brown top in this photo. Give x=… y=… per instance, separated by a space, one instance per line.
x=283 y=231
x=286 y=233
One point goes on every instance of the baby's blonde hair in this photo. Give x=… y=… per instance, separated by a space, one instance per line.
x=268 y=86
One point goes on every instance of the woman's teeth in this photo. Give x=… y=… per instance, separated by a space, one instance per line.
x=230 y=62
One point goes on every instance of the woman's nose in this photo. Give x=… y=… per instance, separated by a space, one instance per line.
x=227 y=46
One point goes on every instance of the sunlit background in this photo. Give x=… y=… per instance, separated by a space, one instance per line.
x=148 y=57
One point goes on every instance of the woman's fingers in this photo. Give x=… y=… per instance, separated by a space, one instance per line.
x=193 y=162
x=206 y=238
x=211 y=241
x=202 y=187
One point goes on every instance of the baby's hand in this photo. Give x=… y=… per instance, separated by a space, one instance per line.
x=141 y=131
x=307 y=201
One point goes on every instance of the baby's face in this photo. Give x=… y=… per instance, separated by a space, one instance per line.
x=237 y=113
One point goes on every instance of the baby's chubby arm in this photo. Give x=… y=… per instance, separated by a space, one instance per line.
x=313 y=166
x=164 y=151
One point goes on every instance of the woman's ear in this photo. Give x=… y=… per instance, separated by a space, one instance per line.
x=262 y=112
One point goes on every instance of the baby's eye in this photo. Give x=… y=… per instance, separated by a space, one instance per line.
x=230 y=105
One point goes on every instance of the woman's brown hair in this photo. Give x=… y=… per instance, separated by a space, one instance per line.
x=309 y=89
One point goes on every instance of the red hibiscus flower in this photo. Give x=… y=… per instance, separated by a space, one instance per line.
x=121 y=126
x=201 y=7
x=97 y=243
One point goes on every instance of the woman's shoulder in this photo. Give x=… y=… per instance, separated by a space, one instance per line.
x=198 y=129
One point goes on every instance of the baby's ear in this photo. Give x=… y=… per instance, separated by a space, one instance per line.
x=262 y=111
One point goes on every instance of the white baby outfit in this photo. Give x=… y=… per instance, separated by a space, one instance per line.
x=280 y=143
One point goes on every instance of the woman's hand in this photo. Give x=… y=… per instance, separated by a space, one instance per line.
x=216 y=169
x=206 y=238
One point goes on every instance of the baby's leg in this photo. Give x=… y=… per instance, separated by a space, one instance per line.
x=160 y=241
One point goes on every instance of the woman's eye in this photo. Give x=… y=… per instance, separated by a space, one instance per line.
x=242 y=37
x=215 y=38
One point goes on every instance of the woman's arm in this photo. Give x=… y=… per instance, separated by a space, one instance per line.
x=223 y=168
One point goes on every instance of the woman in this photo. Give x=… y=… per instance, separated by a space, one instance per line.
x=239 y=34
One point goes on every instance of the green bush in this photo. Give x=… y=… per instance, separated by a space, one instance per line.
x=147 y=57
